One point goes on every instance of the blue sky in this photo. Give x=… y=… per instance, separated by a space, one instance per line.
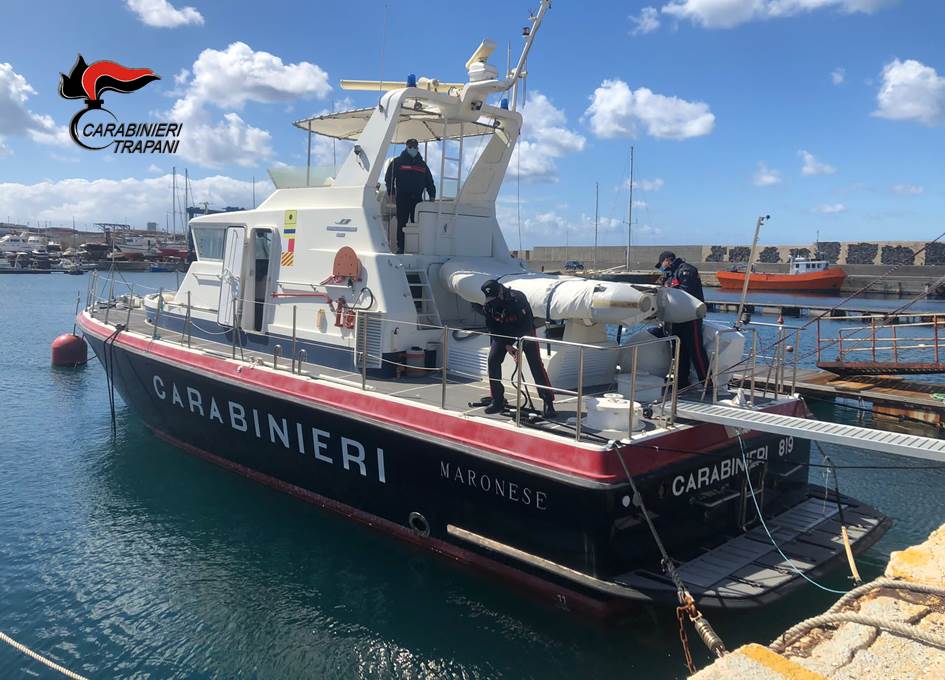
x=827 y=114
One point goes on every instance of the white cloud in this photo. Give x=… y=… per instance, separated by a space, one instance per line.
x=545 y=138
x=162 y=14
x=812 y=166
x=154 y=169
x=616 y=110
x=765 y=176
x=647 y=22
x=911 y=91
x=908 y=189
x=729 y=13
x=229 y=79
x=16 y=119
x=110 y=200
x=647 y=184
x=830 y=208
x=238 y=74
x=838 y=75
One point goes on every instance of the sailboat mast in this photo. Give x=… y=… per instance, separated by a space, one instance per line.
x=174 y=198
x=184 y=215
x=596 y=217
x=630 y=209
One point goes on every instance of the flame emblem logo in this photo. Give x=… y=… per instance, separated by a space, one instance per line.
x=89 y=81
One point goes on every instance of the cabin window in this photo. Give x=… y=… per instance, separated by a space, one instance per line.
x=209 y=242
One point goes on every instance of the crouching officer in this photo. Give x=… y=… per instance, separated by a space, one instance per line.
x=677 y=273
x=508 y=316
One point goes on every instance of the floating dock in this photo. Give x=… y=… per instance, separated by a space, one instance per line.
x=900 y=634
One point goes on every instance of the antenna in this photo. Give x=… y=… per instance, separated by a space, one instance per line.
x=596 y=217
x=174 y=197
x=630 y=209
x=751 y=258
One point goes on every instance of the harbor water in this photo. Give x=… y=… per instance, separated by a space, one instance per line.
x=127 y=558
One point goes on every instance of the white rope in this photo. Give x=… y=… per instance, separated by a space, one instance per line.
x=787 y=637
x=894 y=627
x=43 y=660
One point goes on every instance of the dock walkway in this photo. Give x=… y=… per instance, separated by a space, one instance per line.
x=851 y=650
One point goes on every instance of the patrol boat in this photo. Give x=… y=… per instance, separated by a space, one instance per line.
x=302 y=352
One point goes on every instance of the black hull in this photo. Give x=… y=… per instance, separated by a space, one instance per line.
x=436 y=493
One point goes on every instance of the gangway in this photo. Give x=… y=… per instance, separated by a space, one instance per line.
x=881 y=345
x=896 y=443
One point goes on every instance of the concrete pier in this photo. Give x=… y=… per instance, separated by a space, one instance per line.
x=850 y=650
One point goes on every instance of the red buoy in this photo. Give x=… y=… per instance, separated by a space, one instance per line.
x=69 y=350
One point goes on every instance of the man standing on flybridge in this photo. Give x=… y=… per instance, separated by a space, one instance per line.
x=406 y=178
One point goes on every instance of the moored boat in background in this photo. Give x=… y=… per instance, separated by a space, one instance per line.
x=803 y=275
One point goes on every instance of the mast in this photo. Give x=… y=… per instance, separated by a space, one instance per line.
x=186 y=216
x=751 y=258
x=596 y=216
x=630 y=209
x=174 y=197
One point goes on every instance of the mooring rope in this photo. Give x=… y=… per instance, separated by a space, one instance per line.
x=43 y=660
x=894 y=627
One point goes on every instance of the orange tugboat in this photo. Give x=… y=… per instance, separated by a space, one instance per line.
x=803 y=275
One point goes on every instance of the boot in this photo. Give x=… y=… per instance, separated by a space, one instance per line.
x=496 y=407
x=549 y=410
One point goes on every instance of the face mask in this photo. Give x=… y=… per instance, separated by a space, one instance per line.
x=413 y=152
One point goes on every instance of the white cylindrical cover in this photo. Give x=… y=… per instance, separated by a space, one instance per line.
x=557 y=297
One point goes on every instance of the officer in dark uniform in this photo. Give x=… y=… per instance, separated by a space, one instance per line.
x=509 y=316
x=677 y=273
x=407 y=177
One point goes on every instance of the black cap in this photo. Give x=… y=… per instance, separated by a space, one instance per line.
x=666 y=253
x=491 y=288
x=412 y=142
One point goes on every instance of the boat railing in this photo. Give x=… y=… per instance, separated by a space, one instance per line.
x=589 y=380
x=779 y=370
x=884 y=340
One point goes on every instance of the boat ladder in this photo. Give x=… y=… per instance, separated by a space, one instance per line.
x=450 y=185
x=818 y=430
x=423 y=300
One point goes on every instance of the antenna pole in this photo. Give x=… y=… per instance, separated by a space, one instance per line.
x=530 y=32
x=751 y=258
x=596 y=216
x=174 y=197
x=630 y=210
x=186 y=215
x=308 y=162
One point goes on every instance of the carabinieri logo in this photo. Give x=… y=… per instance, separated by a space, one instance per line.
x=88 y=82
